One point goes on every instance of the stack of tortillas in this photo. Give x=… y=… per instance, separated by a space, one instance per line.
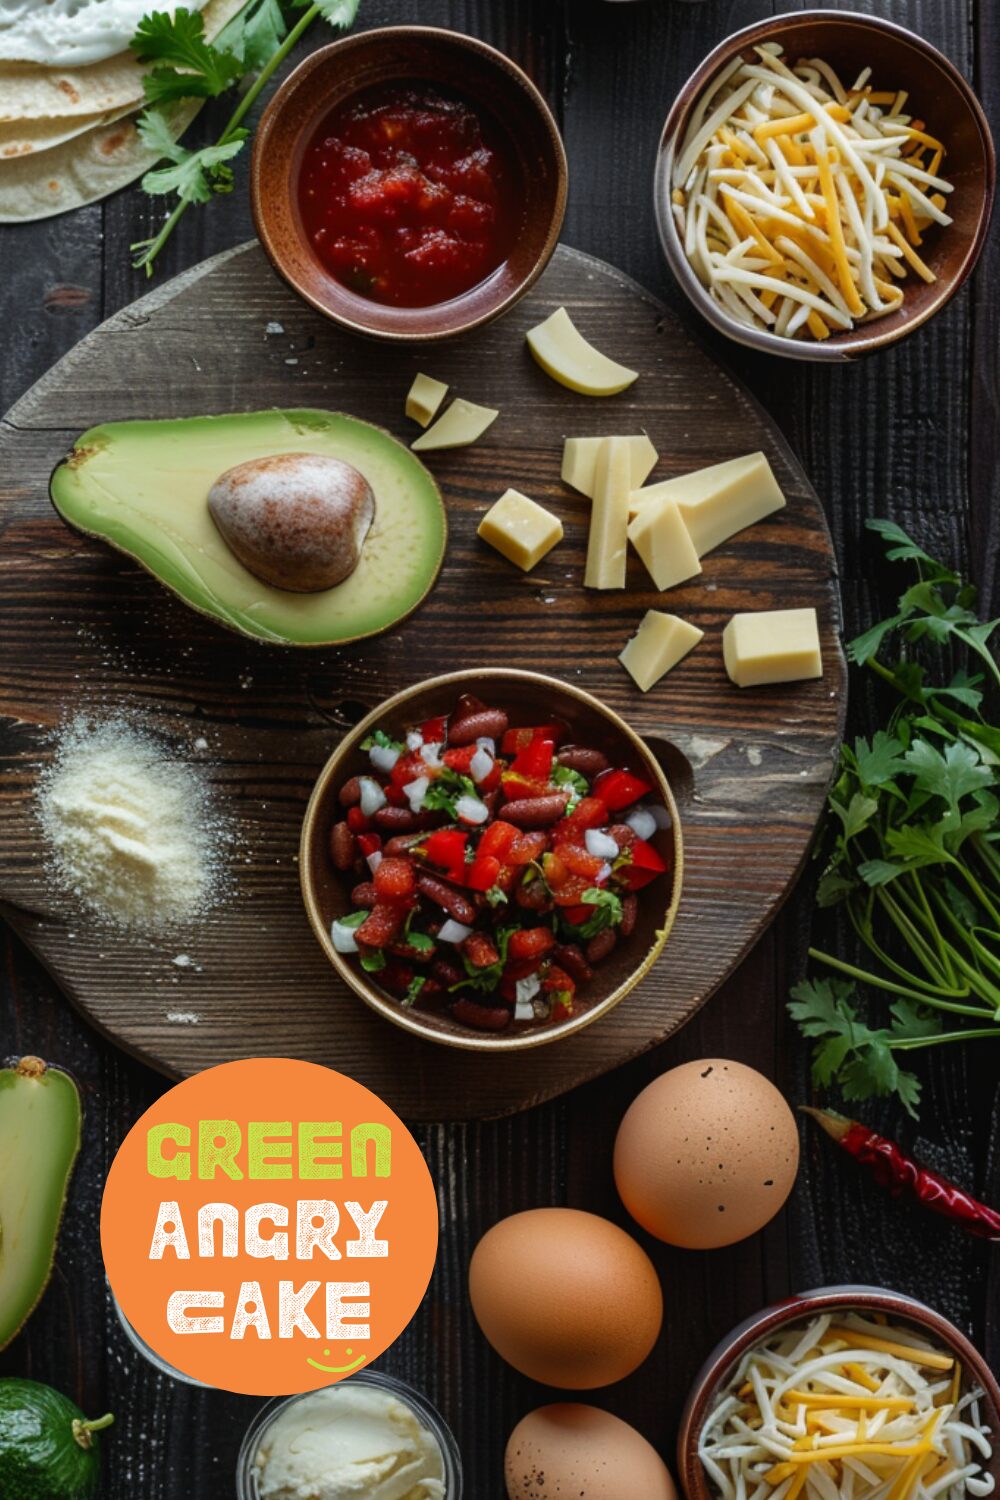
x=70 y=91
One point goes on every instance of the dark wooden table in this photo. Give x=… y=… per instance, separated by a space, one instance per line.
x=912 y=434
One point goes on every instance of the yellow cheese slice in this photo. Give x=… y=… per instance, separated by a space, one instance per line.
x=580 y=461
x=424 y=398
x=777 y=645
x=607 y=543
x=717 y=502
x=658 y=645
x=563 y=352
x=662 y=540
x=520 y=529
x=461 y=425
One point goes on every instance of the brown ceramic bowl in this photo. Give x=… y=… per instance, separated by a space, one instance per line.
x=898 y=1308
x=492 y=84
x=529 y=698
x=938 y=94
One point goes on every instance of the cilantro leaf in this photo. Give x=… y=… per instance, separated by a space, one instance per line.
x=607 y=912
x=488 y=978
x=339 y=13
x=372 y=960
x=413 y=989
x=445 y=790
x=186 y=64
x=195 y=176
x=420 y=942
x=378 y=737
x=496 y=897
x=578 y=785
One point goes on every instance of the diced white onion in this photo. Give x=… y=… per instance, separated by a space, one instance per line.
x=485 y=743
x=471 y=810
x=374 y=860
x=525 y=993
x=415 y=792
x=481 y=764
x=453 y=932
x=383 y=757
x=600 y=845
x=603 y=874
x=343 y=938
x=431 y=754
x=414 y=740
x=643 y=822
x=372 y=796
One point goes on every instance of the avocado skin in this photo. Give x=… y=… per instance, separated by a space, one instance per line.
x=39 y=1457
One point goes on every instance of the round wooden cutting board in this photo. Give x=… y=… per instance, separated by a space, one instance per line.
x=83 y=630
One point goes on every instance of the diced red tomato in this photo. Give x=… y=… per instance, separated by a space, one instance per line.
x=446 y=849
x=579 y=862
x=527 y=847
x=645 y=866
x=558 y=979
x=395 y=796
x=618 y=789
x=460 y=760
x=407 y=768
x=530 y=943
x=433 y=732
x=534 y=762
x=356 y=820
x=590 y=812
x=483 y=872
x=516 y=740
x=516 y=786
x=369 y=843
x=498 y=839
x=577 y=915
x=394 y=880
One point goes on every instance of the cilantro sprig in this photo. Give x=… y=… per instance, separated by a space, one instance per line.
x=446 y=789
x=607 y=912
x=912 y=844
x=185 y=65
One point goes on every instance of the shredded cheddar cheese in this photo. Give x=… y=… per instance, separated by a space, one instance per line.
x=853 y=1410
x=801 y=203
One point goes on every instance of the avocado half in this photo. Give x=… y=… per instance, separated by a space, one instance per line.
x=143 y=488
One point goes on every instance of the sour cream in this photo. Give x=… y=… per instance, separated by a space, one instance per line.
x=349 y=1442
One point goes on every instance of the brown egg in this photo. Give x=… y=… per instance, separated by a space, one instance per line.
x=707 y=1154
x=567 y=1298
x=296 y=520
x=562 y=1452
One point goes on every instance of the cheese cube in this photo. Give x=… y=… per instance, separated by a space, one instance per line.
x=425 y=397
x=461 y=424
x=519 y=529
x=717 y=502
x=659 y=644
x=661 y=539
x=607 y=543
x=777 y=645
x=580 y=461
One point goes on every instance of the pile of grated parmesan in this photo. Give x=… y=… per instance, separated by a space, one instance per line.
x=130 y=831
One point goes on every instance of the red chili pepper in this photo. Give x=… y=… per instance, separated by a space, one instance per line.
x=446 y=848
x=483 y=872
x=618 y=789
x=894 y=1169
x=433 y=732
x=497 y=840
x=646 y=864
x=369 y=843
x=534 y=762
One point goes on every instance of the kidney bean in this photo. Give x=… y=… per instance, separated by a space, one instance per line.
x=411 y=954
x=402 y=843
x=630 y=911
x=468 y=704
x=569 y=956
x=350 y=793
x=446 y=896
x=401 y=820
x=446 y=973
x=623 y=835
x=487 y=722
x=343 y=847
x=600 y=946
x=536 y=812
x=480 y=950
x=581 y=758
x=482 y=1017
x=364 y=895
x=534 y=896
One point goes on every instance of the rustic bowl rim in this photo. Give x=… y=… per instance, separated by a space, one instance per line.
x=793 y=1309
x=352 y=321
x=865 y=337
x=355 y=978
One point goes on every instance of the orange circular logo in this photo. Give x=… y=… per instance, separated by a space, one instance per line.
x=269 y=1226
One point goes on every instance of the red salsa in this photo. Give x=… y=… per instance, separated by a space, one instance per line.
x=409 y=196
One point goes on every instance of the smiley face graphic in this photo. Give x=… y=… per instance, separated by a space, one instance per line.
x=337 y=1369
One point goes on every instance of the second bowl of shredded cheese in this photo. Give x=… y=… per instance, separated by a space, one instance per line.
x=815 y=206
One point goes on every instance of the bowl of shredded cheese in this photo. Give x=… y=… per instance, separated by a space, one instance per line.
x=848 y=1393
x=824 y=184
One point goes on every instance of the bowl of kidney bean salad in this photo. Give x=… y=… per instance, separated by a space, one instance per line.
x=492 y=860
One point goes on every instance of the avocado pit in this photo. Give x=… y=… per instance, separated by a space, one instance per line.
x=298 y=521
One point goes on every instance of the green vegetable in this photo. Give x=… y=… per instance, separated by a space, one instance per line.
x=496 y=897
x=372 y=960
x=912 y=843
x=48 y=1451
x=186 y=66
x=445 y=790
x=380 y=738
x=413 y=990
x=487 y=979
x=607 y=912
x=40 y=1120
x=578 y=785
x=352 y=920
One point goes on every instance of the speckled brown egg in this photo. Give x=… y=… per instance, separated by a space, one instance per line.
x=707 y=1154
x=567 y=1298
x=571 y=1452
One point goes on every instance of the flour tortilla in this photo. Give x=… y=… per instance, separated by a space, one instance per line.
x=81 y=170
x=30 y=91
x=70 y=33
x=32 y=137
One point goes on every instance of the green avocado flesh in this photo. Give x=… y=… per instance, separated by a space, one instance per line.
x=42 y=1455
x=143 y=487
x=40 y=1135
